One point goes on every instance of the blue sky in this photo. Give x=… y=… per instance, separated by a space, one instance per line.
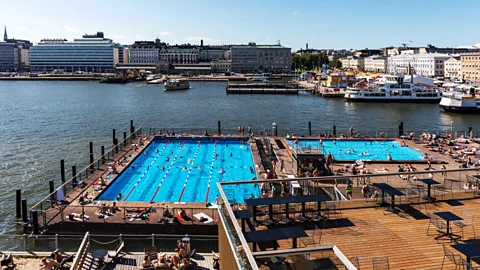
x=323 y=24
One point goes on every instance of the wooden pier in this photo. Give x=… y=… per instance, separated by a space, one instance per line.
x=328 y=92
x=243 y=87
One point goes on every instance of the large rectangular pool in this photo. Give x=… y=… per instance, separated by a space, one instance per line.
x=186 y=170
x=360 y=149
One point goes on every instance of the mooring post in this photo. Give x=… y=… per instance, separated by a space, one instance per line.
x=124 y=139
x=219 y=128
x=310 y=128
x=24 y=211
x=115 y=142
x=74 y=176
x=18 y=202
x=102 y=152
x=92 y=166
x=62 y=173
x=400 y=129
x=131 y=126
x=35 y=222
x=52 y=192
x=274 y=129
x=334 y=131
x=113 y=136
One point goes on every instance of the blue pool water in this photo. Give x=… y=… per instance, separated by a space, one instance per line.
x=192 y=171
x=359 y=149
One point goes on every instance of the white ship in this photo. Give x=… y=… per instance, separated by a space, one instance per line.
x=391 y=88
x=461 y=102
x=155 y=79
x=171 y=85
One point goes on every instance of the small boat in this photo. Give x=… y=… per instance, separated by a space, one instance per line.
x=155 y=79
x=460 y=102
x=115 y=80
x=172 y=85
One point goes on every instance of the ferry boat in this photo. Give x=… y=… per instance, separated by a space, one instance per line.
x=172 y=85
x=461 y=102
x=391 y=88
x=155 y=79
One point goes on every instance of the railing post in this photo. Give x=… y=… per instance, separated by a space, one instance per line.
x=113 y=136
x=56 y=241
x=102 y=151
x=25 y=242
x=131 y=127
x=219 y=128
x=153 y=239
x=310 y=128
x=18 y=203
x=124 y=139
x=120 y=236
x=116 y=145
x=334 y=131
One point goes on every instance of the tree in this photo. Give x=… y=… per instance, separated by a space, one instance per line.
x=309 y=60
x=335 y=64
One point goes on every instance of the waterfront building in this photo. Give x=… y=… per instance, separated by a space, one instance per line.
x=214 y=52
x=221 y=66
x=145 y=52
x=366 y=52
x=120 y=55
x=453 y=68
x=353 y=62
x=254 y=58
x=90 y=54
x=430 y=65
x=471 y=66
x=180 y=55
x=375 y=63
x=20 y=61
x=8 y=57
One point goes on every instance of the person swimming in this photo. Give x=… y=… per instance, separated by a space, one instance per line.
x=156 y=151
x=167 y=159
x=221 y=171
x=366 y=153
x=189 y=160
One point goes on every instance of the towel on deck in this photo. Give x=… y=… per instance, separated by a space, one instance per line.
x=381 y=171
x=199 y=216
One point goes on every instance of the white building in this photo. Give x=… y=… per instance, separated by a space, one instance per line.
x=144 y=52
x=221 y=66
x=453 y=68
x=430 y=65
x=179 y=55
x=375 y=63
x=353 y=62
x=254 y=58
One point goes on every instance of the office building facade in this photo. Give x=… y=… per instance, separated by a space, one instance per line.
x=8 y=57
x=180 y=55
x=261 y=59
x=471 y=66
x=429 y=65
x=144 y=52
x=375 y=63
x=86 y=54
x=453 y=68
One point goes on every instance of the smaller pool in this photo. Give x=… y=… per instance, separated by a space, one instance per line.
x=361 y=149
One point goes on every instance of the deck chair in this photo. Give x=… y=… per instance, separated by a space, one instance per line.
x=455 y=259
x=380 y=263
x=467 y=221
x=152 y=253
x=434 y=221
x=113 y=255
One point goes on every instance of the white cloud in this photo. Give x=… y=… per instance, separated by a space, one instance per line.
x=470 y=47
x=69 y=28
x=295 y=13
x=205 y=39
x=165 y=34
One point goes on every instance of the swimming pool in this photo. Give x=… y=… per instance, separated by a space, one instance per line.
x=361 y=149
x=185 y=170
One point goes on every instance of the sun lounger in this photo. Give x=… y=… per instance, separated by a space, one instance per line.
x=85 y=217
x=199 y=216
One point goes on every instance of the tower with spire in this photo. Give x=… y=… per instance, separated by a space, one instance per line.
x=5 y=37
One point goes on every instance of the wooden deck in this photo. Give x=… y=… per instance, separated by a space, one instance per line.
x=371 y=232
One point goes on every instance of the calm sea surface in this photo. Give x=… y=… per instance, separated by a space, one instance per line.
x=44 y=122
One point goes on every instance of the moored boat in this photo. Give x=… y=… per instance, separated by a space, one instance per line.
x=461 y=102
x=172 y=85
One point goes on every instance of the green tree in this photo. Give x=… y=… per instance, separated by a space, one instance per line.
x=335 y=64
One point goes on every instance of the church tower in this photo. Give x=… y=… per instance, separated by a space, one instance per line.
x=5 y=37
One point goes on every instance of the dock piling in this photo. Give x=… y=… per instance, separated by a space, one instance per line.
x=219 y=128
x=91 y=156
x=113 y=136
x=334 y=131
x=35 y=222
x=62 y=173
x=52 y=194
x=400 y=129
x=74 y=176
x=131 y=126
x=18 y=203
x=274 y=129
x=24 y=211
x=102 y=152
x=115 y=142
x=124 y=139
x=310 y=128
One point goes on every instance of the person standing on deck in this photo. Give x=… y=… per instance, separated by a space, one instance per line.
x=351 y=131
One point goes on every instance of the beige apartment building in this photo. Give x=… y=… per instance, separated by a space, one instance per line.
x=471 y=66
x=453 y=68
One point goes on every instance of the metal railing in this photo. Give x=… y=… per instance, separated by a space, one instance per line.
x=88 y=170
x=133 y=242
